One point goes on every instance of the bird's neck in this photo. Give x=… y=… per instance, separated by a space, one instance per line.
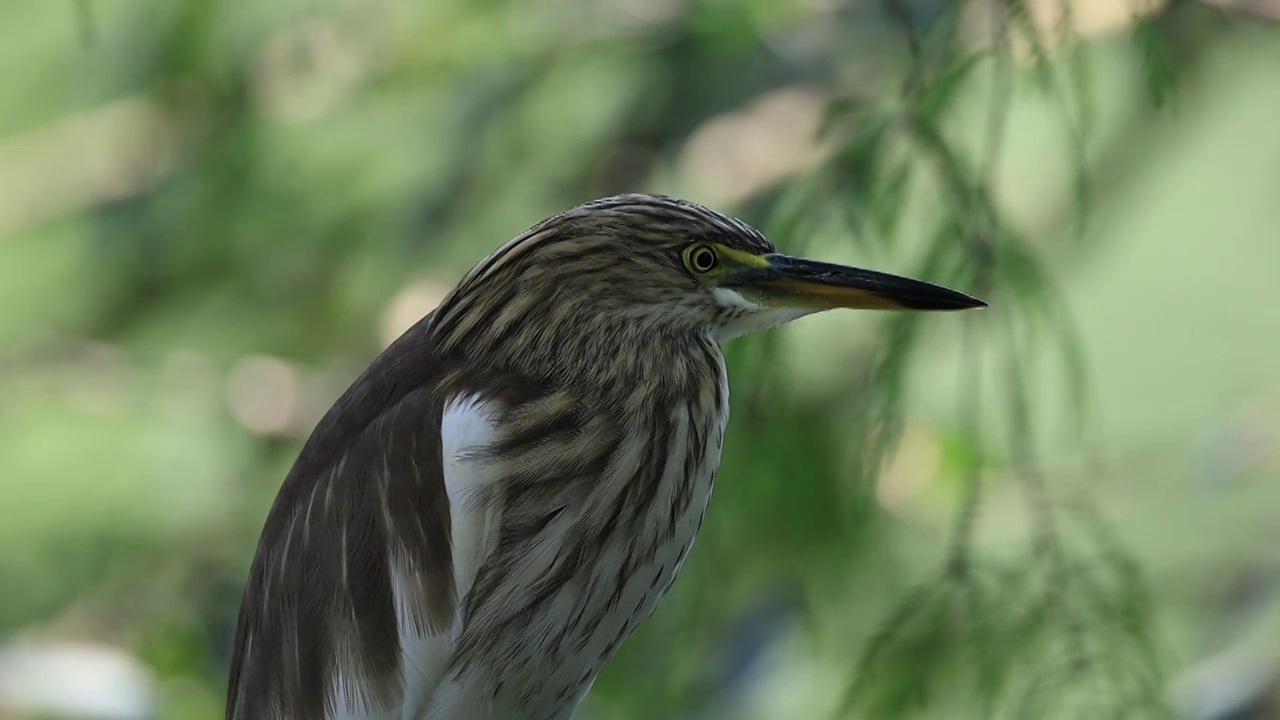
x=614 y=362
x=626 y=367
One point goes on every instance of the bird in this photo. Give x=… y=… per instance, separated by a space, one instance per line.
x=509 y=489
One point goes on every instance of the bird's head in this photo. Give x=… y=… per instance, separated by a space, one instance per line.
x=654 y=266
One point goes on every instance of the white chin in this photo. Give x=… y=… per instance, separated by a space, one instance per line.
x=762 y=320
x=753 y=317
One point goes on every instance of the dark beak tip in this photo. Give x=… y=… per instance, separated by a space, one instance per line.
x=964 y=301
x=951 y=301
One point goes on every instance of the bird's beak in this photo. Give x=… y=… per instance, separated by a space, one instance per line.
x=785 y=281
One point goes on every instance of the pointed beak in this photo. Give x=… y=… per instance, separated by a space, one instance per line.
x=785 y=281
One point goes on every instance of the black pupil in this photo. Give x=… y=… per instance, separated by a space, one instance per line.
x=704 y=259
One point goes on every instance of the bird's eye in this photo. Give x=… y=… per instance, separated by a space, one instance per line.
x=701 y=258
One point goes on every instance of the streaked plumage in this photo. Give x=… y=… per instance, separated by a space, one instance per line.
x=511 y=487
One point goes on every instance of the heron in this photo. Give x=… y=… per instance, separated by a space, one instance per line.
x=511 y=487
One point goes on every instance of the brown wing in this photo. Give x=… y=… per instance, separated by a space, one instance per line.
x=364 y=500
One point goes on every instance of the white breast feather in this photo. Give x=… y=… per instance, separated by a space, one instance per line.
x=467 y=425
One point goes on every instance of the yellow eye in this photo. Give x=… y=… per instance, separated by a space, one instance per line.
x=702 y=258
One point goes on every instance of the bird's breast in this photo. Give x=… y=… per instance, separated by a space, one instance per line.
x=582 y=554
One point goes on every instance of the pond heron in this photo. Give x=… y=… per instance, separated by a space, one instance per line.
x=496 y=503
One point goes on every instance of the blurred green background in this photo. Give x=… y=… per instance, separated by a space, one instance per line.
x=213 y=215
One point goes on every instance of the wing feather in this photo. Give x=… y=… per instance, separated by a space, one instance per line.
x=353 y=602
x=355 y=556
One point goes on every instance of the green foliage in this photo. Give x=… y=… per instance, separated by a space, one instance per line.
x=1062 y=630
x=1157 y=65
x=303 y=163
